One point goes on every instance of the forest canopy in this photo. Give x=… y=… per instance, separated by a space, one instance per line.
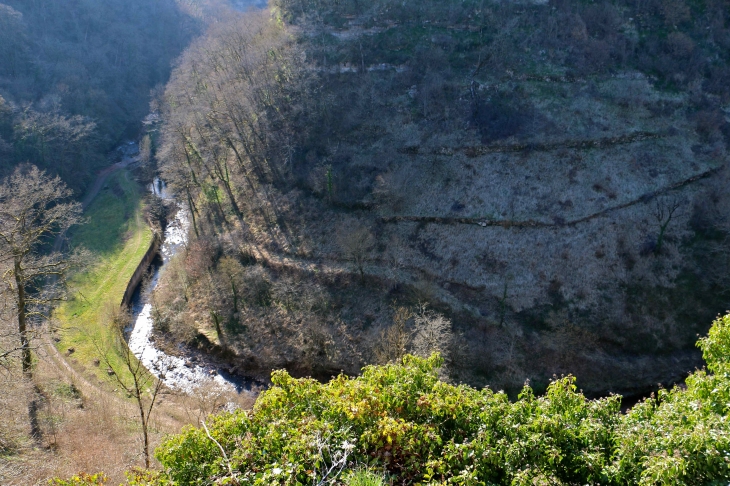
x=75 y=77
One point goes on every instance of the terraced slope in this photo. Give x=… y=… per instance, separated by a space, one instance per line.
x=550 y=175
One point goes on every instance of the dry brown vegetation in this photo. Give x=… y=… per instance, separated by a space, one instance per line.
x=553 y=194
x=258 y=318
x=59 y=419
x=85 y=425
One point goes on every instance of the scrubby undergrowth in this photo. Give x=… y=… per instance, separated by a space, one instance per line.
x=400 y=420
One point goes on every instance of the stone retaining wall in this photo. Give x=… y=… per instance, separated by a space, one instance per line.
x=141 y=269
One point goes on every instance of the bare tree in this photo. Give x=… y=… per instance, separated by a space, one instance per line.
x=356 y=245
x=58 y=143
x=130 y=374
x=432 y=332
x=663 y=212
x=429 y=332
x=394 y=339
x=226 y=121
x=33 y=209
x=203 y=400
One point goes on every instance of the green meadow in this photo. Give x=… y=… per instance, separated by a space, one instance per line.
x=117 y=237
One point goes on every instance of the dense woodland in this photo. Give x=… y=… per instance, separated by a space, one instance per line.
x=75 y=78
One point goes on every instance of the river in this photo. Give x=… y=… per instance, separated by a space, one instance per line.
x=183 y=373
x=193 y=370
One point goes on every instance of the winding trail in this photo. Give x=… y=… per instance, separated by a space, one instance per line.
x=580 y=144
x=531 y=223
x=87 y=388
x=101 y=178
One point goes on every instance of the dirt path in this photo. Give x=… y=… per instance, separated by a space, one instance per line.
x=87 y=388
x=103 y=176
x=580 y=144
x=166 y=416
x=643 y=199
x=94 y=191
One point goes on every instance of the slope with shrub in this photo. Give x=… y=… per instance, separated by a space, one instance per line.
x=548 y=175
x=399 y=420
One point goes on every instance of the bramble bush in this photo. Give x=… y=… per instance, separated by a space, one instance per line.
x=400 y=420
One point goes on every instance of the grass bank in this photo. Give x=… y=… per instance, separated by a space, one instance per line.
x=117 y=236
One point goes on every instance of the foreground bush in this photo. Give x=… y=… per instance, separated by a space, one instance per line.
x=402 y=421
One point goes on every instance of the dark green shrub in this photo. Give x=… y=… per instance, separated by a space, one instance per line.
x=402 y=419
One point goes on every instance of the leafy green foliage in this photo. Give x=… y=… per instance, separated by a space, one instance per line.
x=402 y=419
x=363 y=477
x=82 y=479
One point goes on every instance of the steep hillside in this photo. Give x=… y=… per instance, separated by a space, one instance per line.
x=76 y=76
x=548 y=175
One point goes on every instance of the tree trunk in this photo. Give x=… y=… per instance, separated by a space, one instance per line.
x=192 y=212
x=232 y=200
x=218 y=330
x=144 y=432
x=22 y=324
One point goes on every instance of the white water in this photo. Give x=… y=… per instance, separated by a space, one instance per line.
x=174 y=371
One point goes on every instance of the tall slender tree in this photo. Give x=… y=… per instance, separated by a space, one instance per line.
x=128 y=372
x=34 y=208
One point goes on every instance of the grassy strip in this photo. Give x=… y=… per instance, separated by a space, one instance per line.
x=118 y=237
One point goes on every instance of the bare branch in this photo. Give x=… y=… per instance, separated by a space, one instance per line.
x=33 y=208
x=131 y=376
x=223 y=452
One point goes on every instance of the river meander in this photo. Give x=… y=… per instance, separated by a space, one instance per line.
x=189 y=371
